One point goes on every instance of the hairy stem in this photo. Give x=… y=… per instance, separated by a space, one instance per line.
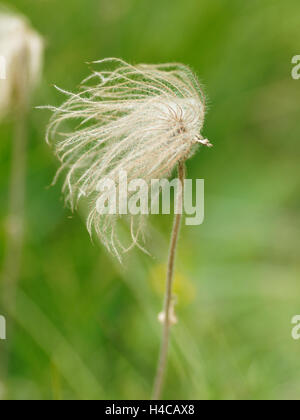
x=163 y=358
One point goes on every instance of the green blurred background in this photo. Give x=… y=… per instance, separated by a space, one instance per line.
x=85 y=327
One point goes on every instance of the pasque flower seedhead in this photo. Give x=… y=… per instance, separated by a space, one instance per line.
x=140 y=119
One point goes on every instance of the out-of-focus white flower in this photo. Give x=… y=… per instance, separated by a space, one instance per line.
x=21 y=51
x=140 y=119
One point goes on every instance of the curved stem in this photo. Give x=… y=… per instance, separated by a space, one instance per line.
x=12 y=260
x=163 y=358
x=15 y=223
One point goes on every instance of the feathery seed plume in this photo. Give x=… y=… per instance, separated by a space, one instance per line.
x=21 y=50
x=141 y=119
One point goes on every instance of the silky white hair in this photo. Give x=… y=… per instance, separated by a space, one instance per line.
x=141 y=119
x=21 y=54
